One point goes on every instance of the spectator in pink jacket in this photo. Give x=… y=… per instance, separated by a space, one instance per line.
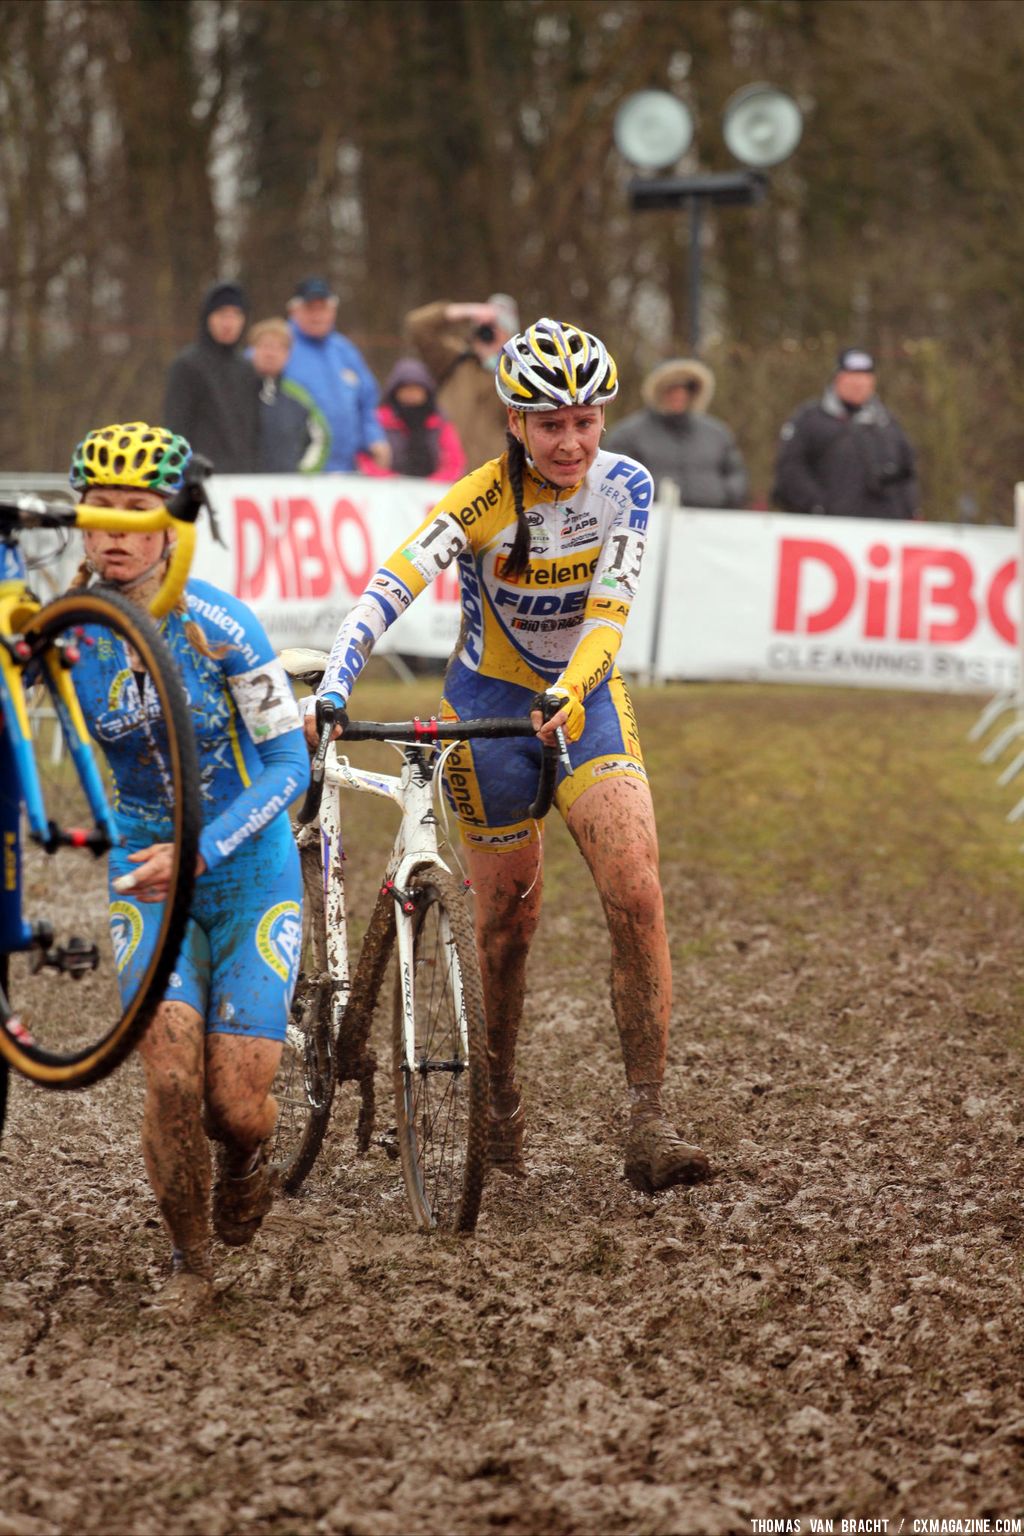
x=423 y=442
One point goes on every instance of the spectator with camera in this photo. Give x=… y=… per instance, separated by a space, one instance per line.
x=845 y=455
x=461 y=344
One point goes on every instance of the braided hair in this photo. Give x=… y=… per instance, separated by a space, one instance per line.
x=519 y=557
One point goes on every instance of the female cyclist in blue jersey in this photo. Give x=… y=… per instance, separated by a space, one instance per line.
x=212 y=1049
x=548 y=541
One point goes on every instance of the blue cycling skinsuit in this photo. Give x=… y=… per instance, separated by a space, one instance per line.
x=560 y=621
x=240 y=956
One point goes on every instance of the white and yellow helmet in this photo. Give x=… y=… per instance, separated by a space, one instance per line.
x=551 y=365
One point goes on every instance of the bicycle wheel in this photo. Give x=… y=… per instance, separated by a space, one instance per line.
x=304 y=1085
x=441 y=1094
x=113 y=739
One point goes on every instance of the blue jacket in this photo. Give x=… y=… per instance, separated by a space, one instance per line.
x=335 y=373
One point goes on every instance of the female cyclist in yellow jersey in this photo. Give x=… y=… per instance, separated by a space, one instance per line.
x=548 y=541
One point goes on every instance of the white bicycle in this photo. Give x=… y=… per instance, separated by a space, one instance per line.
x=439 y=1040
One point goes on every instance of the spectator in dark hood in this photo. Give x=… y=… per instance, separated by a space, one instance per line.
x=845 y=455
x=212 y=392
x=675 y=438
x=423 y=442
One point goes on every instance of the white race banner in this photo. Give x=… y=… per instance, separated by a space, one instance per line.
x=300 y=549
x=760 y=596
x=865 y=602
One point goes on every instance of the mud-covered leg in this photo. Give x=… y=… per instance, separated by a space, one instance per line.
x=176 y=1152
x=241 y=1113
x=613 y=825
x=508 y=900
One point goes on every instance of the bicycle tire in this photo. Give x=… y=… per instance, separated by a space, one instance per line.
x=356 y=1062
x=4 y=1074
x=56 y=1047
x=442 y=1130
x=305 y=1080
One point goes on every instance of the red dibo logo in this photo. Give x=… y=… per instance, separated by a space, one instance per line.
x=909 y=592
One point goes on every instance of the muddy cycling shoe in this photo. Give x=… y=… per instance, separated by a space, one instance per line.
x=242 y=1199
x=657 y=1157
x=505 y=1134
x=186 y=1295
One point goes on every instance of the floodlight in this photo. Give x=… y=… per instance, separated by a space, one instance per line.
x=762 y=125
x=652 y=129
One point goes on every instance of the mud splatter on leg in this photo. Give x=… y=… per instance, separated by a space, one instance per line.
x=173 y=1143
x=613 y=825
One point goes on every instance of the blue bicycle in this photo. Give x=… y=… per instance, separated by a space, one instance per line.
x=64 y=933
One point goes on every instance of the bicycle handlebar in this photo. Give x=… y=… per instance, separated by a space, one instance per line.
x=420 y=732
x=179 y=513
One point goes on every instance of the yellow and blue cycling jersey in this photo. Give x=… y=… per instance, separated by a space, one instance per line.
x=252 y=757
x=560 y=621
x=252 y=763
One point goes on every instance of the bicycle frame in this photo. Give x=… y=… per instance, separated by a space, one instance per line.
x=18 y=607
x=20 y=774
x=415 y=846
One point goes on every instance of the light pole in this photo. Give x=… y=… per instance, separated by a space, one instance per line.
x=653 y=129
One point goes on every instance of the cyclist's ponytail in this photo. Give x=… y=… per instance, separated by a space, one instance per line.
x=519 y=556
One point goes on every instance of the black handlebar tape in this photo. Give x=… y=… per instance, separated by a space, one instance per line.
x=548 y=763
x=328 y=716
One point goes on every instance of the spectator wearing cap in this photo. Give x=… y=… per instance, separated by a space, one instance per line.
x=675 y=438
x=212 y=395
x=333 y=370
x=422 y=441
x=845 y=455
x=460 y=344
x=293 y=432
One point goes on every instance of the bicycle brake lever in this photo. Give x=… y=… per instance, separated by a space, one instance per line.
x=563 y=750
x=187 y=503
x=328 y=716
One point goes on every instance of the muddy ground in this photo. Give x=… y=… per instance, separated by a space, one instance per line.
x=832 y=1328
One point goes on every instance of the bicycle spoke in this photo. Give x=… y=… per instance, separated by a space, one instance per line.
x=442 y=1090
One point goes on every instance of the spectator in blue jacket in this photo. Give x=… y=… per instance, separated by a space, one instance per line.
x=335 y=373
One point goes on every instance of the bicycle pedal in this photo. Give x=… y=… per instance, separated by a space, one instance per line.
x=72 y=959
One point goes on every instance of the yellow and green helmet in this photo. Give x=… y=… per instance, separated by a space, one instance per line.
x=132 y=455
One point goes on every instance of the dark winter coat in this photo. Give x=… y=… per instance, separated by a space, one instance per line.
x=698 y=452
x=845 y=463
x=293 y=433
x=213 y=394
